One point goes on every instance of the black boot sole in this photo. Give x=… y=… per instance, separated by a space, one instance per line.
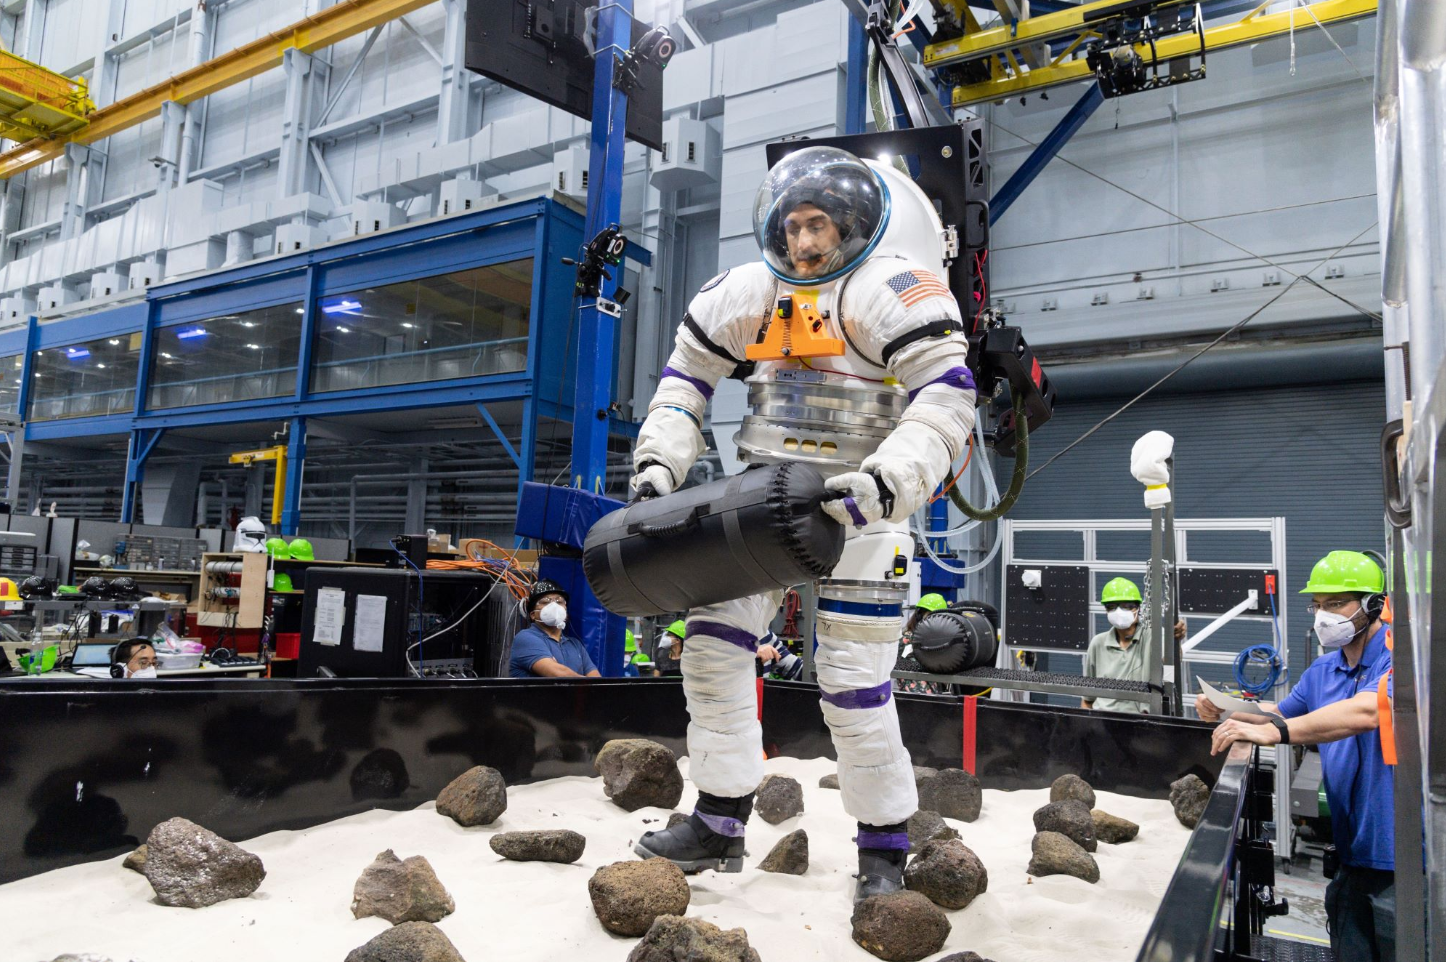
x=692 y=866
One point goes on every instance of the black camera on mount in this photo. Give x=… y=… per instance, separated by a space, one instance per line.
x=654 y=48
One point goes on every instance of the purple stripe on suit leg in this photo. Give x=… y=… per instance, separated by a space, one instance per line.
x=889 y=841
x=730 y=827
x=714 y=629
x=860 y=697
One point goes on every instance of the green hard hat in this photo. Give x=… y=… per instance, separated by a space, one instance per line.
x=1120 y=589
x=277 y=548
x=301 y=550
x=630 y=643
x=932 y=602
x=678 y=628
x=1345 y=571
x=282 y=582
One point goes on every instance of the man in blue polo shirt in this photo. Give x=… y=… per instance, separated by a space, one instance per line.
x=1334 y=706
x=541 y=650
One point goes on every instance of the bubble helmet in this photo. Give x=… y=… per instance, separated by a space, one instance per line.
x=836 y=182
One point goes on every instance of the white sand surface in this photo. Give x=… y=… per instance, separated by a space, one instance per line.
x=521 y=912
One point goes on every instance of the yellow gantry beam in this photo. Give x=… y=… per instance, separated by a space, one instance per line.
x=1028 y=32
x=332 y=25
x=278 y=489
x=36 y=102
x=1254 y=28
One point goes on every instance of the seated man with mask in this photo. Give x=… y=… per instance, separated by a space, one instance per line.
x=542 y=650
x=133 y=659
x=1119 y=653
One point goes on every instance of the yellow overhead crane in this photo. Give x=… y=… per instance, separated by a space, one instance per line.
x=993 y=71
x=36 y=102
x=278 y=490
x=332 y=25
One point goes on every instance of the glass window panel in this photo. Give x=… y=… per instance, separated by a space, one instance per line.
x=11 y=368
x=81 y=380
x=464 y=324
x=233 y=357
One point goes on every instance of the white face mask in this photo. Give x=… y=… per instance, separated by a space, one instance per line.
x=144 y=673
x=1334 y=631
x=554 y=615
x=1121 y=618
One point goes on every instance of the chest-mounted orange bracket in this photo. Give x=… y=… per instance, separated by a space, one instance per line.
x=797 y=330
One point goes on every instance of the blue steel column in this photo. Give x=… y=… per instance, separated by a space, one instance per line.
x=602 y=631
x=1068 y=125
x=295 y=461
x=856 y=80
x=604 y=206
x=308 y=337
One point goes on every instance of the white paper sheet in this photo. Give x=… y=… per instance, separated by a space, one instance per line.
x=330 y=616
x=371 y=622
x=1226 y=702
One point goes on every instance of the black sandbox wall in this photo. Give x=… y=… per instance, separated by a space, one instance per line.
x=87 y=769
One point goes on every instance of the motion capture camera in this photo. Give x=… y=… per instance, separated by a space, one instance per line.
x=603 y=251
x=656 y=47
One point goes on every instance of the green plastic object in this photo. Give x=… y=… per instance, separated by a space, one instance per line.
x=678 y=628
x=282 y=582
x=932 y=602
x=1120 y=589
x=31 y=666
x=67 y=590
x=277 y=548
x=1345 y=571
x=301 y=550
x=630 y=643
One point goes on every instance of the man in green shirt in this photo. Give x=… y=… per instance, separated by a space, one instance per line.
x=1120 y=652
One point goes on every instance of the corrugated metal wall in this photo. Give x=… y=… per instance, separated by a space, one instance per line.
x=1308 y=453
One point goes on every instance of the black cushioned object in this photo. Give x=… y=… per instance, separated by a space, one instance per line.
x=946 y=642
x=756 y=531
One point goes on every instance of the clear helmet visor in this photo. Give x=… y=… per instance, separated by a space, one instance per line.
x=818 y=214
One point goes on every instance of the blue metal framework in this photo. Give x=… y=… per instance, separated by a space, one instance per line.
x=541 y=229
x=1040 y=157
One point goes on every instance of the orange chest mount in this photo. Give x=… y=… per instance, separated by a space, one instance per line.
x=796 y=331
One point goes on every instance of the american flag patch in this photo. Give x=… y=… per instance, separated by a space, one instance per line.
x=915 y=286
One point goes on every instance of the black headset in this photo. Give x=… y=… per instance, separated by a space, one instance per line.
x=1375 y=603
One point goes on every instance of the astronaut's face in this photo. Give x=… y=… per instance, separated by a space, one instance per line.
x=812 y=238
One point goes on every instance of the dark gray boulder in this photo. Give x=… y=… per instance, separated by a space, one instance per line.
x=1070 y=817
x=629 y=896
x=193 y=867
x=1056 y=854
x=548 y=845
x=408 y=942
x=1189 y=796
x=1066 y=787
x=478 y=796
x=901 y=927
x=1113 y=830
x=789 y=856
x=400 y=890
x=925 y=827
x=953 y=793
x=829 y=781
x=673 y=938
x=136 y=861
x=638 y=773
x=948 y=872
x=779 y=798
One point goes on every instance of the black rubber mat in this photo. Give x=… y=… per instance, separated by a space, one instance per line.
x=1270 y=949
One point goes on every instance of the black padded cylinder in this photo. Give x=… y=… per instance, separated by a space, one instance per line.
x=756 y=531
x=952 y=641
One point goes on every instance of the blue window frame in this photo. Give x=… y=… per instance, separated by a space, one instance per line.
x=462 y=324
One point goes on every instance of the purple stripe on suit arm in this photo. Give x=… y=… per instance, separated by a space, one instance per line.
x=698 y=383
x=955 y=377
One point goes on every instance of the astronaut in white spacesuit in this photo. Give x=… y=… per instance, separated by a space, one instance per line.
x=855 y=358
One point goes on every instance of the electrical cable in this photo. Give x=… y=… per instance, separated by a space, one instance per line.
x=991 y=490
x=1183 y=364
x=455 y=624
x=1016 y=479
x=1261 y=656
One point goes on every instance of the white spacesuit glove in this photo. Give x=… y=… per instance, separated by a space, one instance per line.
x=862 y=502
x=659 y=478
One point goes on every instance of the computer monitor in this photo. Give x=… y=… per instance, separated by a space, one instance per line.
x=92 y=655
